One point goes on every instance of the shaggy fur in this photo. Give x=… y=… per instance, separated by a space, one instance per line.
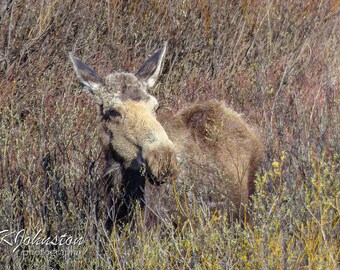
x=219 y=155
x=204 y=154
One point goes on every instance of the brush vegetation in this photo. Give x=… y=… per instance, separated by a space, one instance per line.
x=277 y=62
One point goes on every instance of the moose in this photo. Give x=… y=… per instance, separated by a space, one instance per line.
x=205 y=154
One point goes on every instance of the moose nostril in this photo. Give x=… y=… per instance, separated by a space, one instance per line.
x=160 y=162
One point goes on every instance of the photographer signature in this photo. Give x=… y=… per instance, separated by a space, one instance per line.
x=18 y=238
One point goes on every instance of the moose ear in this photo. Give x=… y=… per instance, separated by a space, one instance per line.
x=151 y=69
x=87 y=76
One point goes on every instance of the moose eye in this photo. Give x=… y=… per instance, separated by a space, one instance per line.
x=111 y=114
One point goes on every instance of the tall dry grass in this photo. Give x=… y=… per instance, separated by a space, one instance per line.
x=275 y=61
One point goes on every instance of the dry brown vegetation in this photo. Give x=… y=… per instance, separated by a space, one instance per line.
x=277 y=62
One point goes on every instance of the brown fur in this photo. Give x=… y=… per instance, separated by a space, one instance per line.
x=205 y=153
x=219 y=156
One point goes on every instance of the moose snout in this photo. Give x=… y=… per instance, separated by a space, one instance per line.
x=161 y=163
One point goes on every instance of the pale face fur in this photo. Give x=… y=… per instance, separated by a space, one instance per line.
x=127 y=115
x=211 y=154
x=130 y=125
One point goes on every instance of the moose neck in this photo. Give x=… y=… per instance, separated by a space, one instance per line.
x=131 y=188
x=132 y=193
x=133 y=185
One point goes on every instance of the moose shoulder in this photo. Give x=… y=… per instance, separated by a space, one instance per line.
x=205 y=153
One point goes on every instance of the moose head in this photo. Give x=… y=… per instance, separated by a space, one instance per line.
x=131 y=133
